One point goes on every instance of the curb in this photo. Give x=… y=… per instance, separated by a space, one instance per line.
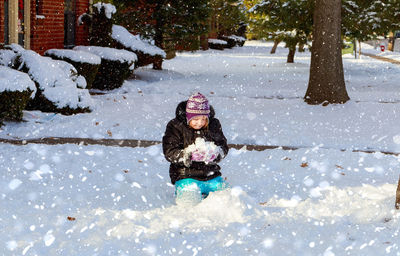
x=147 y=143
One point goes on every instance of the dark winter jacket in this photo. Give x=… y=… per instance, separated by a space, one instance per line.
x=179 y=135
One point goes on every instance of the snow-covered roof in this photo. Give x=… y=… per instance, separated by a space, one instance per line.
x=13 y=80
x=134 y=42
x=110 y=54
x=216 y=41
x=6 y=57
x=55 y=80
x=109 y=9
x=77 y=56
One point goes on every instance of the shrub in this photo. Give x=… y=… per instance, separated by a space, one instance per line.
x=230 y=42
x=86 y=64
x=116 y=66
x=16 y=88
x=57 y=84
x=216 y=44
x=145 y=51
x=7 y=58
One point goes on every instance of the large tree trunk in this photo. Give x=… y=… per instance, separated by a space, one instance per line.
x=326 y=83
x=276 y=42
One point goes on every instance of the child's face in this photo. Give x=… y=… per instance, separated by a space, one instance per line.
x=198 y=122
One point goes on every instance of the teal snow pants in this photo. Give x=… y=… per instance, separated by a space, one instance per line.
x=191 y=191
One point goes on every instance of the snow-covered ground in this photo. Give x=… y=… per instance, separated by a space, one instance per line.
x=322 y=199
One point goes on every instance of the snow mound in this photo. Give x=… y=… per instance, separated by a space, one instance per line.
x=218 y=210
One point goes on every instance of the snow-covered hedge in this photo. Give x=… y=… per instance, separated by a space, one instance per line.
x=58 y=85
x=217 y=44
x=7 y=57
x=239 y=40
x=116 y=66
x=145 y=51
x=16 y=88
x=86 y=64
x=230 y=41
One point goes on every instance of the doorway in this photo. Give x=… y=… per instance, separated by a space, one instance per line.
x=69 y=23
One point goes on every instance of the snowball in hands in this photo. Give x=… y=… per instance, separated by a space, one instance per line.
x=203 y=151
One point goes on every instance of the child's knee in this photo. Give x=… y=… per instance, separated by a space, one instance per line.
x=188 y=194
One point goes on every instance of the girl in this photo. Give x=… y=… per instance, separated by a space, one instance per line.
x=194 y=144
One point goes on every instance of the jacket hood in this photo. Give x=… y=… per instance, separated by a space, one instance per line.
x=180 y=112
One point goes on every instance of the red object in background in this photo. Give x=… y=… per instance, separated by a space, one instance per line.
x=382 y=48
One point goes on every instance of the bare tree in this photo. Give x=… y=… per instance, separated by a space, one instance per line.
x=326 y=83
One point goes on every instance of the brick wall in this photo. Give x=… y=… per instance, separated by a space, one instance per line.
x=2 y=22
x=81 y=32
x=48 y=32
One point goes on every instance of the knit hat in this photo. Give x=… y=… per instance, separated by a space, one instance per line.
x=197 y=105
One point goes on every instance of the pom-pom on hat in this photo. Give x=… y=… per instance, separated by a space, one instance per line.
x=197 y=105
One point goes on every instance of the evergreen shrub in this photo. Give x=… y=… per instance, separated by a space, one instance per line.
x=86 y=64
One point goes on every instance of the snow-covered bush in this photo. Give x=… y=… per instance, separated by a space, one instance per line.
x=116 y=66
x=58 y=85
x=7 y=57
x=146 y=52
x=15 y=90
x=86 y=64
x=230 y=41
x=217 y=44
x=239 y=40
x=233 y=40
x=101 y=25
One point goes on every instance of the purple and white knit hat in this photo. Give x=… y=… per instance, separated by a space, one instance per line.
x=197 y=105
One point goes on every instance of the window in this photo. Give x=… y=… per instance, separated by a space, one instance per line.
x=39 y=7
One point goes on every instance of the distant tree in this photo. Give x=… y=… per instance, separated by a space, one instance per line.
x=169 y=23
x=364 y=20
x=288 y=21
x=229 y=15
x=326 y=83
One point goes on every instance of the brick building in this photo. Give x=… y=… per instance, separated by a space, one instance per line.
x=40 y=25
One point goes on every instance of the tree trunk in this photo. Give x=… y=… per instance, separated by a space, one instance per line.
x=326 y=84
x=397 y=204
x=276 y=42
x=355 y=48
x=158 y=35
x=290 y=57
x=301 y=47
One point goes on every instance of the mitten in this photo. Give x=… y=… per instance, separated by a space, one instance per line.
x=198 y=156
x=187 y=155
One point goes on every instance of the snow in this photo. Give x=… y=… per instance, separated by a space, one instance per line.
x=13 y=80
x=77 y=56
x=6 y=57
x=110 y=54
x=134 y=42
x=217 y=41
x=321 y=199
x=109 y=9
x=56 y=80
